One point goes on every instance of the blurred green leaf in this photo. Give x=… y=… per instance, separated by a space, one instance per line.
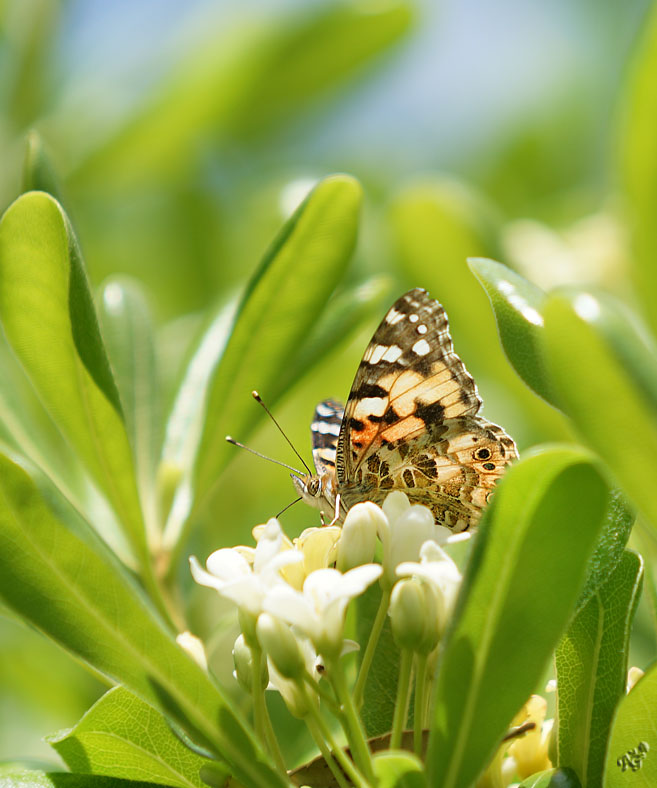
x=517 y=304
x=438 y=225
x=634 y=724
x=591 y=663
x=552 y=778
x=280 y=306
x=38 y=172
x=522 y=581
x=50 y=321
x=121 y=736
x=63 y=588
x=638 y=162
x=398 y=769
x=605 y=375
x=128 y=332
x=244 y=84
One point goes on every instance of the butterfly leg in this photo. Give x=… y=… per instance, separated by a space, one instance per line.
x=336 y=515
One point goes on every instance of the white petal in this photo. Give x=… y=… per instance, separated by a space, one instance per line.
x=293 y=607
x=227 y=564
x=356 y=580
x=202 y=577
x=395 y=505
x=269 y=544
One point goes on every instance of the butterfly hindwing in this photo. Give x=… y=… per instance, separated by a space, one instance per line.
x=325 y=429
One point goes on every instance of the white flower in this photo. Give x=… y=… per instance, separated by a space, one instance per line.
x=244 y=575
x=358 y=541
x=436 y=568
x=295 y=693
x=194 y=647
x=403 y=531
x=319 y=610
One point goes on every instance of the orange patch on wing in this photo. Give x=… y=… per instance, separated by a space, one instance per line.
x=403 y=430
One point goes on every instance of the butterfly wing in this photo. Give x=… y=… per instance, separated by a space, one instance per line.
x=411 y=420
x=325 y=429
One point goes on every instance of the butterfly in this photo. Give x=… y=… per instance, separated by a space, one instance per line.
x=410 y=424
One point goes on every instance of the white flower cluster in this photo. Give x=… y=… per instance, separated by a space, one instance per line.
x=292 y=602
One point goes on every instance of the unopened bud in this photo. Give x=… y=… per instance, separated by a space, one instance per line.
x=358 y=540
x=281 y=646
x=194 y=647
x=407 y=614
x=243 y=660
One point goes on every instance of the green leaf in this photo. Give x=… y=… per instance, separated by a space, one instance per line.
x=634 y=726
x=38 y=172
x=605 y=373
x=552 y=778
x=121 y=736
x=128 y=333
x=638 y=163
x=610 y=549
x=281 y=304
x=235 y=89
x=591 y=662
x=518 y=306
x=90 y=607
x=398 y=769
x=49 y=319
x=24 y=778
x=521 y=583
x=438 y=225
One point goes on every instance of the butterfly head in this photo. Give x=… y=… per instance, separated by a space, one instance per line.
x=316 y=490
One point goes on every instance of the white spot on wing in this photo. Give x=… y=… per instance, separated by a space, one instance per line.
x=324 y=410
x=376 y=354
x=421 y=347
x=413 y=318
x=394 y=316
x=392 y=353
x=421 y=329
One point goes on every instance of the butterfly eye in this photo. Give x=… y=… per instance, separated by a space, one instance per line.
x=483 y=454
x=313 y=486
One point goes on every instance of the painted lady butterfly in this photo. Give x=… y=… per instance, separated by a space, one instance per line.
x=410 y=424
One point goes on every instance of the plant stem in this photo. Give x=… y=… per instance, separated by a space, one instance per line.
x=368 y=655
x=403 y=697
x=356 y=733
x=420 y=706
x=261 y=720
x=329 y=699
x=337 y=773
x=338 y=752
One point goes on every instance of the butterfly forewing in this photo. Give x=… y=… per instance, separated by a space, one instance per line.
x=411 y=421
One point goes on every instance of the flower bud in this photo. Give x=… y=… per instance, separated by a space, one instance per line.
x=407 y=613
x=358 y=540
x=247 y=623
x=194 y=647
x=281 y=646
x=243 y=660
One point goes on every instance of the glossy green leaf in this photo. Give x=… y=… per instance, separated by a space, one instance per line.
x=521 y=583
x=631 y=755
x=236 y=88
x=281 y=304
x=591 y=662
x=398 y=769
x=86 y=604
x=121 y=736
x=38 y=171
x=26 y=778
x=50 y=321
x=552 y=778
x=517 y=304
x=128 y=333
x=638 y=163
x=605 y=374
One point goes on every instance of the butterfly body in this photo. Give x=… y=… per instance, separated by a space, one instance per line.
x=411 y=423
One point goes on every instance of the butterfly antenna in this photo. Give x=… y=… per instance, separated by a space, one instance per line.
x=257 y=398
x=264 y=456
x=296 y=500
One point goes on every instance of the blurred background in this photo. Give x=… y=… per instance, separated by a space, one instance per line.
x=180 y=136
